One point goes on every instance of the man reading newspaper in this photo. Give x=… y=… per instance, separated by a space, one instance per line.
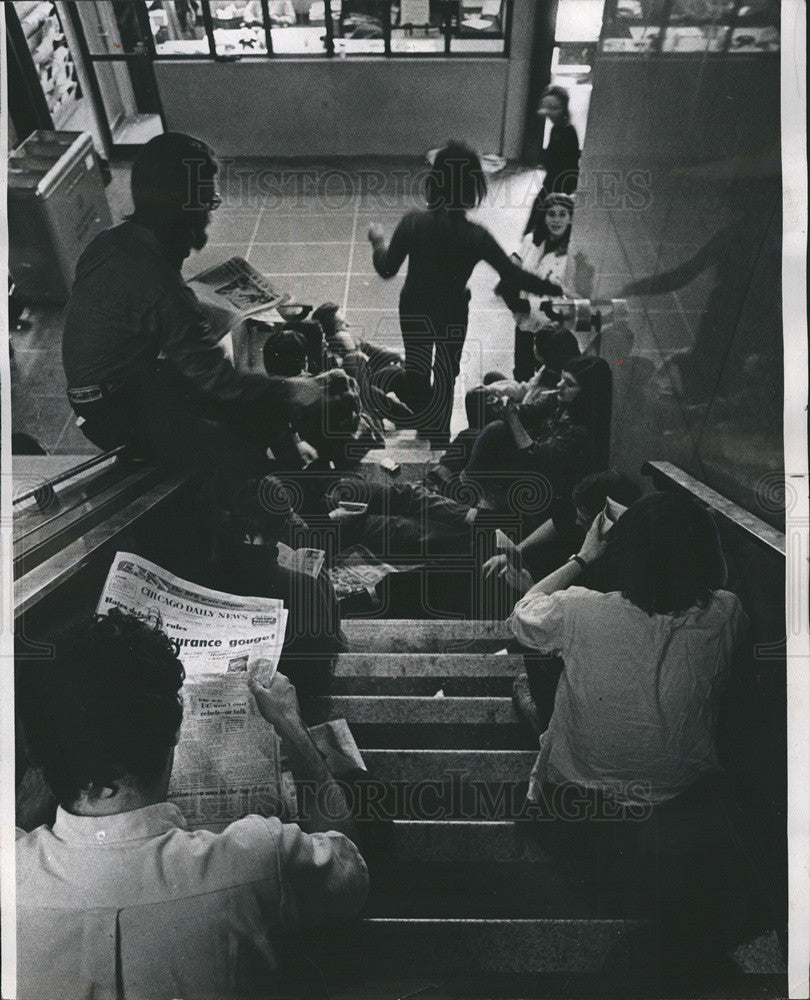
x=143 y=359
x=116 y=897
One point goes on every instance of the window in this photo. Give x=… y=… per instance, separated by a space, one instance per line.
x=229 y=29
x=481 y=27
x=238 y=28
x=681 y=26
x=178 y=29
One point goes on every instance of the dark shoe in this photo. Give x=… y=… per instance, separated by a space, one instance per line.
x=524 y=704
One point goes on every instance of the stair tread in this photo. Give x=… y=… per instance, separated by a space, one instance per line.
x=442 y=664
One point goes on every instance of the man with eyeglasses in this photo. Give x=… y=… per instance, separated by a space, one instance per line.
x=142 y=357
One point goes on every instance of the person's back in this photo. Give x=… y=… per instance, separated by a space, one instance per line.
x=443 y=248
x=136 y=906
x=636 y=703
x=120 y=278
x=116 y=898
x=636 y=706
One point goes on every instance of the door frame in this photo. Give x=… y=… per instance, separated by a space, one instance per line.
x=123 y=150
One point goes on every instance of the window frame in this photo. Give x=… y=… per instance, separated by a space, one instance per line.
x=665 y=23
x=449 y=28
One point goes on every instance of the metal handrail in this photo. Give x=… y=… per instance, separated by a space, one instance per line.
x=63 y=477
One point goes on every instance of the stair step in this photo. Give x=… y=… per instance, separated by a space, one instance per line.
x=424 y=841
x=393 y=709
x=392 y=635
x=496 y=890
x=457 y=674
x=386 y=721
x=445 y=784
x=487 y=766
x=444 y=665
x=426 y=686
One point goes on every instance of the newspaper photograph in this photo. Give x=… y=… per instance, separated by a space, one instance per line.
x=241 y=286
x=227 y=763
x=306 y=561
x=358 y=571
x=216 y=633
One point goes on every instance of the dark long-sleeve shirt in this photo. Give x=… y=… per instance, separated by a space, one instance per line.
x=561 y=159
x=442 y=249
x=129 y=306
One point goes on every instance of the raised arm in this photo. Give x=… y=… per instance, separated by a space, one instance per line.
x=327 y=807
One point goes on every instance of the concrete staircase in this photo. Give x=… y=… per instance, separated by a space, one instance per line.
x=465 y=902
x=461 y=893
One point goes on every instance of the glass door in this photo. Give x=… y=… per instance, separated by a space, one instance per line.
x=116 y=43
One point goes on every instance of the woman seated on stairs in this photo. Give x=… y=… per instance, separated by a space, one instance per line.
x=563 y=531
x=554 y=347
x=548 y=452
x=635 y=713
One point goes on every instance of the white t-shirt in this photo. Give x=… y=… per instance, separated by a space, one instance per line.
x=636 y=705
x=550 y=266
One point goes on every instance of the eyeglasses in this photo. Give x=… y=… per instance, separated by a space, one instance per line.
x=214 y=201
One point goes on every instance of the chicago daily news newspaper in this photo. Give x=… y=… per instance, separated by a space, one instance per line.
x=227 y=763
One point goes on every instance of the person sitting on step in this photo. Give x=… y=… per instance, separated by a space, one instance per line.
x=115 y=896
x=554 y=347
x=633 y=727
x=564 y=531
x=261 y=518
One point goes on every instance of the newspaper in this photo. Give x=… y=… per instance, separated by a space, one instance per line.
x=216 y=633
x=241 y=286
x=335 y=741
x=358 y=571
x=307 y=561
x=228 y=759
x=227 y=762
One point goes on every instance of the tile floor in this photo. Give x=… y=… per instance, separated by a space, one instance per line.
x=305 y=229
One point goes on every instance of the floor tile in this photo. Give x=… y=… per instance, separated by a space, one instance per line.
x=299 y=227
x=380 y=326
x=301 y=258
x=232 y=227
x=370 y=291
x=43 y=417
x=73 y=442
x=38 y=372
x=310 y=289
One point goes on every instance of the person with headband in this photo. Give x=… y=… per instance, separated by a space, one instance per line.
x=560 y=158
x=545 y=252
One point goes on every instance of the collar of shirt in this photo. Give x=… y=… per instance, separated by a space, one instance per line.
x=137 y=824
x=134 y=231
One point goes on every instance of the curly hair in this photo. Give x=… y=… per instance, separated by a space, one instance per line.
x=107 y=707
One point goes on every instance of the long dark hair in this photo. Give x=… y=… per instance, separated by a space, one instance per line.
x=593 y=404
x=457 y=180
x=665 y=551
x=562 y=96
